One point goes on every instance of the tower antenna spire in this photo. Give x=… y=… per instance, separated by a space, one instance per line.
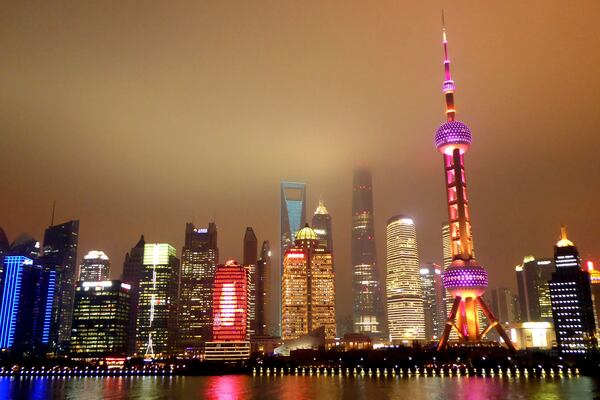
x=448 y=86
x=52 y=216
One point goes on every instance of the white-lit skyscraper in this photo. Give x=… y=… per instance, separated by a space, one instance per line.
x=157 y=307
x=404 y=293
x=94 y=267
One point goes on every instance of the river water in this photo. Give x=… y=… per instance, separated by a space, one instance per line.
x=233 y=387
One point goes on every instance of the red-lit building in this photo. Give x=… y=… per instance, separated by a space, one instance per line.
x=230 y=314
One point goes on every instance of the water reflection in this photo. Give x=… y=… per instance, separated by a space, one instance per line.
x=238 y=387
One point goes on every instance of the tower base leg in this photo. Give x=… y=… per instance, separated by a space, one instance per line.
x=474 y=336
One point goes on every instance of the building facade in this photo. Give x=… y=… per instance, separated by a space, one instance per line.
x=230 y=340
x=60 y=254
x=433 y=300
x=404 y=292
x=100 y=319
x=26 y=306
x=321 y=223
x=308 y=290
x=94 y=267
x=368 y=304
x=156 y=327
x=533 y=276
x=293 y=216
x=571 y=298
x=263 y=264
x=504 y=305
x=133 y=268
x=199 y=258
x=250 y=260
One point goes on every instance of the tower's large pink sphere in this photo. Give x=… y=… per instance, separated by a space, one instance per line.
x=465 y=279
x=453 y=135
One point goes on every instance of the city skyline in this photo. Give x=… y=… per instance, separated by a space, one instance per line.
x=132 y=205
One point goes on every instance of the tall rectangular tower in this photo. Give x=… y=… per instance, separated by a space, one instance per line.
x=157 y=308
x=368 y=297
x=199 y=258
x=60 y=254
x=293 y=217
x=572 y=304
x=433 y=300
x=132 y=275
x=404 y=292
x=534 y=293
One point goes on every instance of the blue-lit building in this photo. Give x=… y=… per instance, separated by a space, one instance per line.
x=293 y=218
x=27 y=296
x=571 y=298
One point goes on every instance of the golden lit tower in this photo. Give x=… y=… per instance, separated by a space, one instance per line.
x=465 y=279
x=308 y=291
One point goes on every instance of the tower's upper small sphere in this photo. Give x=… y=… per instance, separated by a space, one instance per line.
x=452 y=135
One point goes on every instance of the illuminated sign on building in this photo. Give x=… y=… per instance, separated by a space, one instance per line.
x=230 y=303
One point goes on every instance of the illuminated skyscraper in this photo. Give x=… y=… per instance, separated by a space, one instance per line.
x=308 y=291
x=406 y=318
x=26 y=306
x=271 y=299
x=230 y=306
x=199 y=258
x=100 y=319
x=465 y=277
x=321 y=223
x=250 y=261
x=433 y=300
x=94 y=267
x=368 y=293
x=60 y=254
x=534 y=292
x=293 y=215
x=157 y=307
x=571 y=296
x=133 y=269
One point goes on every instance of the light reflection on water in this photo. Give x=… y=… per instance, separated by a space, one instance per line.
x=234 y=387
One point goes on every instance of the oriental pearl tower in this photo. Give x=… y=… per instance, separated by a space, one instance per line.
x=465 y=278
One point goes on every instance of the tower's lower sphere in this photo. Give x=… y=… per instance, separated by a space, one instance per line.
x=451 y=135
x=465 y=279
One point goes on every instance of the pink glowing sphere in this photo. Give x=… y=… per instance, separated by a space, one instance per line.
x=453 y=135
x=465 y=279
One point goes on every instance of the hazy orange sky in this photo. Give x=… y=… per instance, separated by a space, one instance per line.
x=140 y=116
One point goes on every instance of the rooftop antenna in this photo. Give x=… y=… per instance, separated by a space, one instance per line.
x=53 y=209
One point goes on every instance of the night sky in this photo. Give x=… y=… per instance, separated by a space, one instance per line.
x=137 y=117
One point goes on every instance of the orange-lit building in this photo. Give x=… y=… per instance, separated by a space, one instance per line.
x=308 y=291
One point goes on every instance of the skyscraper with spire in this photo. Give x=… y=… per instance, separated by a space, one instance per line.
x=465 y=278
x=369 y=312
x=571 y=298
x=60 y=255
